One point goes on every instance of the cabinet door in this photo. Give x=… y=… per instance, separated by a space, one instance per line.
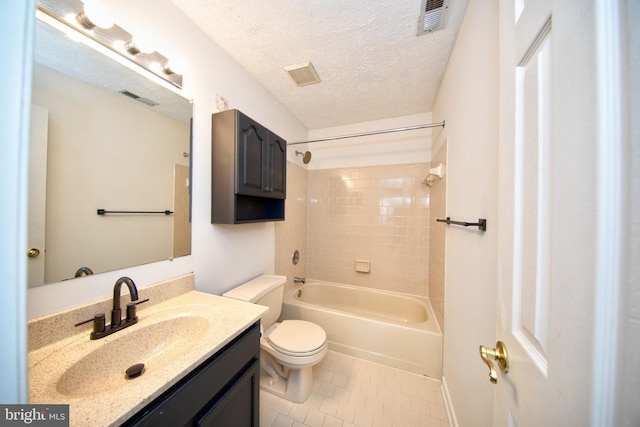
x=209 y=386
x=276 y=170
x=239 y=406
x=252 y=143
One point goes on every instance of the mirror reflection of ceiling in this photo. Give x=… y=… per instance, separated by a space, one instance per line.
x=57 y=51
x=371 y=63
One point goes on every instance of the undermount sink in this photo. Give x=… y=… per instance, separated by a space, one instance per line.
x=155 y=345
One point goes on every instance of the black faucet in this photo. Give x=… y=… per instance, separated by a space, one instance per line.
x=83 y=271
x=100 y=330
x=116 y=312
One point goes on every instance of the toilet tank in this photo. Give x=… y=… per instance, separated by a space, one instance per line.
x=267 y=290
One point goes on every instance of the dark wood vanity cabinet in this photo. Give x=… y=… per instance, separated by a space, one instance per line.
x=223 y=391
x=248 y=170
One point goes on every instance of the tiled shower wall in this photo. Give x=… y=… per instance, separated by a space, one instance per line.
x=291 y=234
x=378 y=214
x=383 y=214
x=437 y=234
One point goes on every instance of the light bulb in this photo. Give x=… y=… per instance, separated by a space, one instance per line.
x=175 y=65
x=98 y=13
x=119 y=45
x=156 y=67
x=143 y=42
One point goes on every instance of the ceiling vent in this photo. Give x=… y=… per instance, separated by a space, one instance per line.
x=138 y=98
x=432 y=15
x=303 y=74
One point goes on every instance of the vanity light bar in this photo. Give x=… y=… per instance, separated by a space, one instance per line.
x=70 y=13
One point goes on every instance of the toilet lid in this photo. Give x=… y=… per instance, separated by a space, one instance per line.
x=297 y=337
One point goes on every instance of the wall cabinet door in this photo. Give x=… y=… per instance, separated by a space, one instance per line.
x=252 y=141
x=261 y=160
x=276 y=168
x=248 y=170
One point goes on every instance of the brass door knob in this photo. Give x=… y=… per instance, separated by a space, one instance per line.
x=500 y=355
x=33 y=252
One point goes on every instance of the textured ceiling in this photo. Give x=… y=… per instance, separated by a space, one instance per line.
x=372 y=64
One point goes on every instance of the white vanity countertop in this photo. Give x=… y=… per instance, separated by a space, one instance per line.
x=113 y=399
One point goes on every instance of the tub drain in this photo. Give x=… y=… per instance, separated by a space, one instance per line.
x=134 y=371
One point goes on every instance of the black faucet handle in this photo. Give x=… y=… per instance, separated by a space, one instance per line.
x=98 y=323
x=131 y=310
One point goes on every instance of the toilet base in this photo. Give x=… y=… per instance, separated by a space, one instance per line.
x=297 y=388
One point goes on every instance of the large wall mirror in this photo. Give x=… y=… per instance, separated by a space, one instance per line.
x=103 y=137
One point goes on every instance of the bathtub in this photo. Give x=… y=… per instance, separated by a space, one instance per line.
x=389 y=328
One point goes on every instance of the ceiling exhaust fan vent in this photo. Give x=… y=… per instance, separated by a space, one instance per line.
x=303 y=74
x=432 y=16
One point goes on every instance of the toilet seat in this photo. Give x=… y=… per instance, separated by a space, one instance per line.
x=297 y=338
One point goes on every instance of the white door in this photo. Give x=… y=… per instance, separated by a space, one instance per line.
x=37 y=195
x=549 y=197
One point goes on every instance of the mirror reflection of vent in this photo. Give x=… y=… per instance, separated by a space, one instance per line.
x=432 y=16
x=132 y=95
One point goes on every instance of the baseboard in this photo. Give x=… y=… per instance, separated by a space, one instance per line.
x=448 y=404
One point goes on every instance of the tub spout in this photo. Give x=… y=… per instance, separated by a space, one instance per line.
x=299 y=280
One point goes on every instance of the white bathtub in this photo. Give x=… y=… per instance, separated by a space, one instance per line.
x=392 y=329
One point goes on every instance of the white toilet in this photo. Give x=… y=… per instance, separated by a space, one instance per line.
x=288 y=349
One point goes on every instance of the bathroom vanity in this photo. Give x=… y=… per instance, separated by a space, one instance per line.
x=223 y=391
x=200 y=354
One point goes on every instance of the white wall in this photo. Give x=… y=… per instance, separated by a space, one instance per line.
x=222 y=256
x=411 y=146
x=468 y=101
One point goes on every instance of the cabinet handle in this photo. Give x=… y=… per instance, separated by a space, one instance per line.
x=268 y=189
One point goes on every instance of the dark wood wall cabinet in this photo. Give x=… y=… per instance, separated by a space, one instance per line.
x=223 y=391
x=248 y=170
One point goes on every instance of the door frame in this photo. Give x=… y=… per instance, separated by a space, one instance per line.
x=615 y=162
x=16 y=24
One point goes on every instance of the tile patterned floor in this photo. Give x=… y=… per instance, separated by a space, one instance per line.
x=350 y=392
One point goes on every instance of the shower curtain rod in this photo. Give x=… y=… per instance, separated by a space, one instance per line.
x=374 y=132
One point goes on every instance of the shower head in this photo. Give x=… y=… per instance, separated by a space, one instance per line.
x=306 y=156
